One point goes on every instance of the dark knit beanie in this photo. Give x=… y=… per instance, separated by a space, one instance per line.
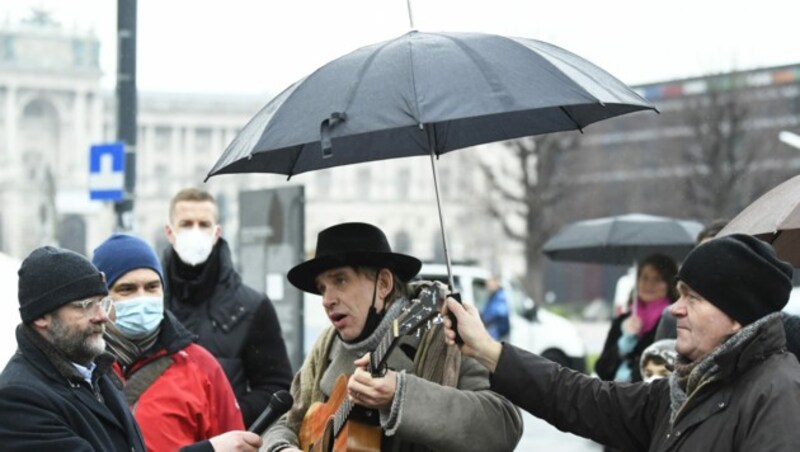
x=52 y=277
x=740 y=275
x=122 y=253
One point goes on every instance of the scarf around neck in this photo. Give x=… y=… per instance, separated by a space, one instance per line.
x=650 y=313
x=690 y=376
x=128 y=351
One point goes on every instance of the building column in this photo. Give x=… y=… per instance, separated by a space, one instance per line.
x=11 y=126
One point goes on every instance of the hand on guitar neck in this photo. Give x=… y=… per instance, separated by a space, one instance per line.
x=372 y=392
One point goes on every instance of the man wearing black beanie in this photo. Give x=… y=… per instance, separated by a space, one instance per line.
x=735 y=386
x=55 y=393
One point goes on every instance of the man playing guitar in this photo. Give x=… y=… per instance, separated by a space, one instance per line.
x=422 y=395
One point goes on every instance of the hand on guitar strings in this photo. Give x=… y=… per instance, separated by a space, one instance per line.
x=477 y=341
x=368 y=391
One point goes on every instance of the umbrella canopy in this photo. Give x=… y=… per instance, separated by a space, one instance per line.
x=623 y=240
x=424 y=93
x=774 y=217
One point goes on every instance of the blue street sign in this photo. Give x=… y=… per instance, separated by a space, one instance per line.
x=107 y=171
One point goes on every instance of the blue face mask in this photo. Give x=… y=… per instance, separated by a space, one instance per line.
x=138 y=317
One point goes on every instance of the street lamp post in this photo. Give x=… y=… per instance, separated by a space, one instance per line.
x=126 y=106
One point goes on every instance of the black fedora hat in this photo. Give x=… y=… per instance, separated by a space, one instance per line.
x=351 y=244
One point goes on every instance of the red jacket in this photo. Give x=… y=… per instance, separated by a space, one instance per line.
x=190 y=402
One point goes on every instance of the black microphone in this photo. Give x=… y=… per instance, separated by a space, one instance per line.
x=280 y=403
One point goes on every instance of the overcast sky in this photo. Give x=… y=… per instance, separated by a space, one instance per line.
x=262 y=46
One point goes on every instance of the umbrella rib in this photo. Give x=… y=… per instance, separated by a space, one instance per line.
x=571 y=118
x=417 y=115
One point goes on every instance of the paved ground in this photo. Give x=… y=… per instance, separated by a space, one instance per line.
x=540 y=436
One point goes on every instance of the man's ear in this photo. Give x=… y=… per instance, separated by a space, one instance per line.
x=43 y=322
x=217 y=234
x=385 y=282
x=170 y=234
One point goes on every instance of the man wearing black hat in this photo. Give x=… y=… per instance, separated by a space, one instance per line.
x=735 y=386
x=429 y=397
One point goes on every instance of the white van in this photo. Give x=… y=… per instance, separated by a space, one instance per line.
x=532 y=327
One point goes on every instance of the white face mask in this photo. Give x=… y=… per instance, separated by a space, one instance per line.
x=193 y=245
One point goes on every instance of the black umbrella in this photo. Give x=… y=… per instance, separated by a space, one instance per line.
x=623 y=239
x=425 y=94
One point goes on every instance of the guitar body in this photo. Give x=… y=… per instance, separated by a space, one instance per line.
x=316 y=433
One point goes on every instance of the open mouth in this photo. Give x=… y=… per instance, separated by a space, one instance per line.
x=337 y=319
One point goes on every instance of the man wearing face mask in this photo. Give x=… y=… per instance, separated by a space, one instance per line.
x=177 y=391
x=234 y=322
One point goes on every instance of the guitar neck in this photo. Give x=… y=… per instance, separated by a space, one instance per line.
x=378 y=357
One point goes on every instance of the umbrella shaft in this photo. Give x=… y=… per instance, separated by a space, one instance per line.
x=432 y=145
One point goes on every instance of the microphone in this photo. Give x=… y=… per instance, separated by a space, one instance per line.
x=280 y=403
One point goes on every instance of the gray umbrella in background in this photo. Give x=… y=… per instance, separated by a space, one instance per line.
x=623 y=239
x=425 y=94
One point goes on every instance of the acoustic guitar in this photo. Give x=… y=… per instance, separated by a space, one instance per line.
x=327 y=426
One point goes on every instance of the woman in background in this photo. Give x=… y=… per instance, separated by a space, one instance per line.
x=631 y=332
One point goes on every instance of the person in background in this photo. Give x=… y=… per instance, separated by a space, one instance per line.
x=666 y=328
x=734 y=388
x=633 y=331
x=428 y=397
x=56 y=393
x=177 y=391
x=495 y=313
x=236 y=323
x=658 y=360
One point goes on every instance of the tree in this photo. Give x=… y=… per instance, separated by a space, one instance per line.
x=722 y=152
x=523 y=191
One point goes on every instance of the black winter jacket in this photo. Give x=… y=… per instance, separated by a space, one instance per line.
x=754 y=407
x=46 y=405
x=237 y=324
x=609 y=361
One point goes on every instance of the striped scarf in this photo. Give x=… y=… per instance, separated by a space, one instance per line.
x=128 y=351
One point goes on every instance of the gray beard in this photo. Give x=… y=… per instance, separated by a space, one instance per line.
x=77 y=346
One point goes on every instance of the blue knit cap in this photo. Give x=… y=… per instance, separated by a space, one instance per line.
x=122 y=253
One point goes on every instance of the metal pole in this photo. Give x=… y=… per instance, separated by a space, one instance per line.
x=126 y=106
x=410 y=16
x=432 y=145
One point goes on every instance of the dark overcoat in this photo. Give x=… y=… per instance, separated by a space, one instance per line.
x=755 y=406
x=46 y=405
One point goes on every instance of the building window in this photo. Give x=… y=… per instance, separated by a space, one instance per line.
x=363 y=182
x=324 y=184
x=402 y=242
x=202 y=140
x=163 y=137
x=403 y=183
x=444 y=181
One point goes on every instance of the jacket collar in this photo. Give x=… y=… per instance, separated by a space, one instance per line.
x=766 y=338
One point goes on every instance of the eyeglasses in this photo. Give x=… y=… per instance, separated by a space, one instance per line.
x=90 y=305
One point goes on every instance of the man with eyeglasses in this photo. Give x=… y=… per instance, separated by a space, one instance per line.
x=55 y=392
